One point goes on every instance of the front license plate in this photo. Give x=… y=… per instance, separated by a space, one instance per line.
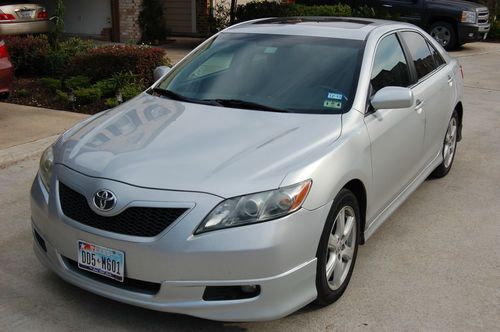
x=101 y=260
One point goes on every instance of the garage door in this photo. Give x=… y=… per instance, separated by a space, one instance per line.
x=178 y=16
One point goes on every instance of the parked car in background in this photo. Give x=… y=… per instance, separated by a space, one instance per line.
x=17 y=18
x=450 y=22
x=239 y=186
x=6 y=70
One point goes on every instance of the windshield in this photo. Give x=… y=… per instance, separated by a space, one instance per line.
x=278 y=72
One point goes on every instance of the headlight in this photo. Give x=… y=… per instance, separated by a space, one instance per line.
x=468 y=17
x=254 y=208
x=46 y=163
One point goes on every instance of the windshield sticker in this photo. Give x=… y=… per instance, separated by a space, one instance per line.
x=270 y=50
x=333 y=95
x=332 y=104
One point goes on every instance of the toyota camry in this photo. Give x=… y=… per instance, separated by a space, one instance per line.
x=239 y=186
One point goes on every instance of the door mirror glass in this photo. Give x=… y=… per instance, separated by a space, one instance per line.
x=392 y=97
x=159 y=72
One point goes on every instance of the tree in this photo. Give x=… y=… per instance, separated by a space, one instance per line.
x=56 y=34
x=152 y=22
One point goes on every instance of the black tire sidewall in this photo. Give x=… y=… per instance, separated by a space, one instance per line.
x=326 y=295
x=453 y=34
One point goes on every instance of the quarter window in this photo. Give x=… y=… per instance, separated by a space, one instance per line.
x=438 y=59
x=420 y=53
x=390 y=67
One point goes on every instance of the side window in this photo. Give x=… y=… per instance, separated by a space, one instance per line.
x=438 y=59
x=420 y=53
x=390 y=67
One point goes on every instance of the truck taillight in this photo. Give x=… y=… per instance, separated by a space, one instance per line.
x=42 y=15
x=7 y=17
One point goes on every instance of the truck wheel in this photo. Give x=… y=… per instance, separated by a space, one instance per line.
x=444 y=33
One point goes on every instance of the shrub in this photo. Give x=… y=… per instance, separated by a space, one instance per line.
x=494 y=30
x=28 y=54
x=22 y=93
x=62 y=96
x=261 y=9
x=221 y=17
x=52 y=84
x=108 y=87
x=111 y=102
x=84 y=96
x=103 y=62
x=58 y=58
x=130 y=91
x=77 y=82
x=152 y=22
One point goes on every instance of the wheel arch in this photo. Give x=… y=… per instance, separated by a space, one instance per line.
x=439 y=18
x=357 y=187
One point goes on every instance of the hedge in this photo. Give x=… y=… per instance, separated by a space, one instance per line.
x=261 y=9
x=103 y=62
x=28 y=54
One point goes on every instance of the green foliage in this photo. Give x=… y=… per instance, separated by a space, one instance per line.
x=152 y=22
x=261 y=9
x=221 y=15
x=130 y=91
x=494 y=30
x=62 y=96
x=108 y=87
x=85 y=96
x=111 y=102
x=22 y=93
x=57 y=33
x=77 y=82
x=53 y=84
x=57 y=59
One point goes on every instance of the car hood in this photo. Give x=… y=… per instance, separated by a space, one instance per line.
x=458 y=4
x=159 y=143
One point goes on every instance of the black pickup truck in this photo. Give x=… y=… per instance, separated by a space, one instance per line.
x=450 y=22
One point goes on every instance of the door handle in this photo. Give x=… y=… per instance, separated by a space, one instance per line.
x=450 y=80
x=418 y=106
x=386 y=5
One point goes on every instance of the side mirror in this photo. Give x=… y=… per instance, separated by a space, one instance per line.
x=392 y=97
x=159 y=72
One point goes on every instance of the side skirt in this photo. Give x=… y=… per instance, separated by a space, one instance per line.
x=403 y=195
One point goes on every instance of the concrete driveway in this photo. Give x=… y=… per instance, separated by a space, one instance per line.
x=435 y=265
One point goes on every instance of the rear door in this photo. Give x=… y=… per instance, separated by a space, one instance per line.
x=433 y=90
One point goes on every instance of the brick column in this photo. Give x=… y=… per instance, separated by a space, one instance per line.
x=129 y=25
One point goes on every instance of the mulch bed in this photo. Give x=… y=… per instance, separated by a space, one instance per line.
x=29 y=91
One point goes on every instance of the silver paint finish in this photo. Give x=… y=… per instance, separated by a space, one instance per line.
x=157 y=152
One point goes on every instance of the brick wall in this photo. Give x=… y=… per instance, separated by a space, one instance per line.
x=129 y=25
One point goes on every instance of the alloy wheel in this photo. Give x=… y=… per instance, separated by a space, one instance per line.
x=340 y=250
x=450 y=142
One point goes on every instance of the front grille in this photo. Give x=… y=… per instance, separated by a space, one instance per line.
x=483 y=17
x=133 y=285
x=136 y=221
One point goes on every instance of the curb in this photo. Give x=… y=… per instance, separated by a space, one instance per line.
x=18 y=153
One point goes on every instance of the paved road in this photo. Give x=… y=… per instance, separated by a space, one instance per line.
x=435 y=265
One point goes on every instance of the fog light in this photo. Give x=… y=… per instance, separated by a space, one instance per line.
x=249 y=289
x=471 y=34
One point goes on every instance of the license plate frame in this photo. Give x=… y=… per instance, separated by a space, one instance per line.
x=101 y=260
x=24 y=14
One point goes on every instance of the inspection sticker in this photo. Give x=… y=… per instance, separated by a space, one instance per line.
x=333 y=95
x=332 y=104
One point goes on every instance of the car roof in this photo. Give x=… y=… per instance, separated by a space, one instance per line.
x=333 y=27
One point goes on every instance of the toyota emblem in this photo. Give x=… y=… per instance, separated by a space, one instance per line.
x=104 y=200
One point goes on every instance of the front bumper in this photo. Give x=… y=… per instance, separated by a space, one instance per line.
x=25 y=28
x=472 y=32
x=278 y=255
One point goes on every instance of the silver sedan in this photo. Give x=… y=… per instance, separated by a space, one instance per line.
x=17 y=18
x=239 y=186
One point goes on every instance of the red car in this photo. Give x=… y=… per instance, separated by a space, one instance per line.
x=6 y=70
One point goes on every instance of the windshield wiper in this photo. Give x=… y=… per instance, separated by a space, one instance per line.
x=175 y=96
x=237 y=103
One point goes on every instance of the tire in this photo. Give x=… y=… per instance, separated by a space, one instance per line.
x=444 y=33
x=331 y=247
x=449 y=147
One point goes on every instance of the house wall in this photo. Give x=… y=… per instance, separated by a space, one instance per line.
x=129 y=25
x=87 y=17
